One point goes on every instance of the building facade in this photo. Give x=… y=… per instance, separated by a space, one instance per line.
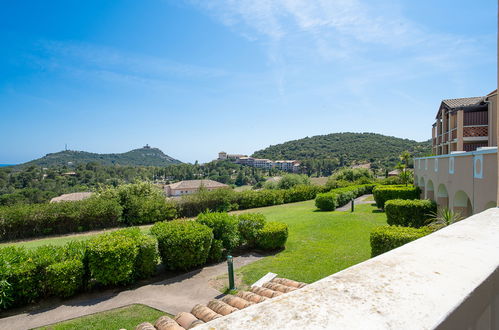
x=292 y=166
x=463 y=173
x=465 y=124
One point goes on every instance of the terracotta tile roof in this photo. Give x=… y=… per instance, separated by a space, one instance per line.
x=71 y=197
x=196 y=184
x=228 y=304
x=463 y=102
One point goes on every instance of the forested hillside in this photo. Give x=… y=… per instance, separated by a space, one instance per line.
x=146 y=156
x=347 y=149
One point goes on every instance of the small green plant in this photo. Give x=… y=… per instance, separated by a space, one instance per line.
x=272 y=236
x=443 y=217
x=249 y=226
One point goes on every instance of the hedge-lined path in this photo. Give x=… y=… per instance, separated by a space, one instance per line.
x=172 y=296
x=358 y=200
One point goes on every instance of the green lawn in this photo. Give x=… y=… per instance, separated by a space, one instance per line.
x=61 y=240
x=319 y=243
x=127 y=317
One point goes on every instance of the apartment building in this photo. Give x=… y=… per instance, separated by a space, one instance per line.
x=462 y=175
x=188 y=187
x=284 y=165
x=465 y=124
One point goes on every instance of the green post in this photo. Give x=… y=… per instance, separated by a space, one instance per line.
x=230 y=266
x=353 y=203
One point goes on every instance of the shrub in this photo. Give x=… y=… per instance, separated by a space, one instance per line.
x=391 y=180
x=216 y=251
x=409 y=213
x=20 y=276
x=352 y=174
x=301 y=193
x=267 y=197
x=338 y=197
x=22 y=221
x=384 y=193
x=218 y=200
x=182 y=244
x=272 y=236
x=249 y=225
x=142 y=203
x=289 y=181
x=386 y=238
x=112 y=258
x=65 y=278
x=224 y=226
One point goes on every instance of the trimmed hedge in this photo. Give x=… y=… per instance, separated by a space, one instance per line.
x=249 y=225
x=385 y=193
x=224 y=226
x=65 y=278
x=182 y=244
x=22 y=221
x=120 y=257
x=272 y=236
x=409 y=213
x=387 y=238
x=338 y=197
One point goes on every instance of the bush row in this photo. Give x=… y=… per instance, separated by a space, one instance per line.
x=409 y=213
x=386 y=238
x=131 y=204
x=223 y=200
x=118 y=258
x=385 y=193
x=338 y=197
x=126 y=255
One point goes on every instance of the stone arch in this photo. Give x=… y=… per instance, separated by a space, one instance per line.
x=421 y=186
x=442 y=196
x=490 y=205
x=430 y=190
x=462 y=204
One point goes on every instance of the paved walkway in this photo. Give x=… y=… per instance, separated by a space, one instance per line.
x=358 y=200
x=174 y=295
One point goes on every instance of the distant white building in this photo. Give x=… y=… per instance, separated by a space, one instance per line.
x=284 y=165
x=187 y=187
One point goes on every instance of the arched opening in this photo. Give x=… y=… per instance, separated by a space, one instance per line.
x=442 y=196
x=490 y=205
x=462 y=204
x=430 y=194
x=421 y=186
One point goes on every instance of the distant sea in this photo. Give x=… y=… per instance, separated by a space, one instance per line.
x=2 y=165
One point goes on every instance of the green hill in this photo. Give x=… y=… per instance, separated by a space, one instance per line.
x=347 y=148
x=145 y=156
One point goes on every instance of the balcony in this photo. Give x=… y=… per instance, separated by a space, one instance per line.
x=446 y=280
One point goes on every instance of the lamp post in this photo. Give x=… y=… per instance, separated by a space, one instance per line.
x=230 y=266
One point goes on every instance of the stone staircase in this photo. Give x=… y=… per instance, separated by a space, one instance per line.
x=220 y=307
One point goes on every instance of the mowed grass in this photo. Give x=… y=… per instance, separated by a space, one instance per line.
x=127 y=317
x=61 y=240
x=319 y=243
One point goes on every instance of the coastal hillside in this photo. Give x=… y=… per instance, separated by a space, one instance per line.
x=347 y=148
x=145 y=156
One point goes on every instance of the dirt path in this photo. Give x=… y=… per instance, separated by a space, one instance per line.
x=173 y=295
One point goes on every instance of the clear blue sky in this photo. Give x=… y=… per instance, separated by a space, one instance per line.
x=197 y=77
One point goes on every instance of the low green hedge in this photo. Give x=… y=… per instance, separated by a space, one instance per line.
x=182 y=244
x=249 y=225
x=65 y=278
x=224 y=226
x=409 y=213
x=23 y=221
x=121 y=257
x=385 y=193
x=386 y=238
x=272 y=236
x=329 y=201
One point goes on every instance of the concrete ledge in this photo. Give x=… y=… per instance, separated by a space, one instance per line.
x=446 y=280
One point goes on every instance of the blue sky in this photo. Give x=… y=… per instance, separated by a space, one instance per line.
x=197 y=77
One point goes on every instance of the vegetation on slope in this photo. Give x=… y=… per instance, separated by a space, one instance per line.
x=346 y=149
x=146 y=156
